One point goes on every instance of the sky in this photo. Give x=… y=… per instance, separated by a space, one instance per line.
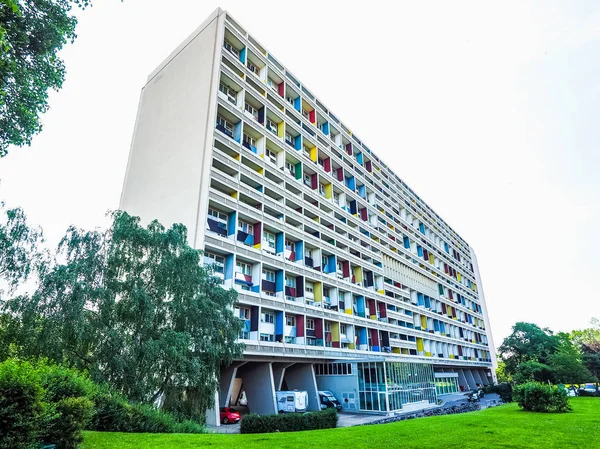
x=488 y=110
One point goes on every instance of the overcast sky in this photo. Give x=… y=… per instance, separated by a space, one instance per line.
x=490 y=112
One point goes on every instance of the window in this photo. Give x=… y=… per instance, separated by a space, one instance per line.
x=267 y=318
x=310 y=324
x=290 y=320
x=289 y=139
x=343 y=328
x=269 y=238
x=322 y=189
x=290 y=246
x=231 y=94
x=290 y=282
x=290 y=168
x=336 y=198
x=320 y=162
x=225 y=126
x=216 y=261
x=243 y=267
x=321 y=126
x=272 y=126
x=309 y=288
x=244 y=313
x=306 y=150
x=306 y=114
x=267 y=337
x=268 y=275
x=272 y=84
x=245 y=227
x=219 y=216
x=253 y=68
x=309 y=253
x=324 y=261
x=271 y=156
x=251 y=109
x=307 y=180
x=290 y=100
x=327 y=326
x=229 y=46
x=249 y=140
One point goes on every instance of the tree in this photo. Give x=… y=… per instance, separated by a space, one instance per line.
x=588 y=340
x=20 y=248
x=527 y=342
x=566 y=363
x=135 y=307
x=32 y=32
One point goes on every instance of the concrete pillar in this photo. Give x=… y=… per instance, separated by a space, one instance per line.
x=226 y=381
x=486 y=380
x=279 y=373
x=213 y=418
x=259 y=387
x=301 y=376
x=462 y=380
x=470 y=378
x=477 y=376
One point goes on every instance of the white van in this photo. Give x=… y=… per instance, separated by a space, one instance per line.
x=292 y=401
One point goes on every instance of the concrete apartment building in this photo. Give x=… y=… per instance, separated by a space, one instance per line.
x=347 y=281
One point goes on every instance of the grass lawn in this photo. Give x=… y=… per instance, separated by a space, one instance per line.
x=500 y=427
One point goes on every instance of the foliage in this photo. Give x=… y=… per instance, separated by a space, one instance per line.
x=32 y=32
x=504 y=390
x=67 y=392
x=501 y=373
x=505 y=426
x=527 y=342
x=20 y=253
x=113 y=413
x=566 y=363
x=135 y=308
x=289 y=422
x=533 y=371
x=21 y=406
x=588 y=340
x=540 y=397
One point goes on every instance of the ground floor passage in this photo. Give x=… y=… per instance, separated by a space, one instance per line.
x=367 y=386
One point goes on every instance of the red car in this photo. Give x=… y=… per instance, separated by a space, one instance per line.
x=229 y=416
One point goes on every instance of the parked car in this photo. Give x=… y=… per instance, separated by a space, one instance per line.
x=588 y=388
x=292 y=401
x=229 y=416
x=328 y=400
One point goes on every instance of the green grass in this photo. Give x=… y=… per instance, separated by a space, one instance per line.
x=500 y=427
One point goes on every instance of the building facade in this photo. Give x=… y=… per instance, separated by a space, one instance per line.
x=346 y=279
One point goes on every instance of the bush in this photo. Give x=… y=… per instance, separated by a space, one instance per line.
x=289 y=422
x=113 y=413
x=504 y=390
x=540 y=397
x=21 y=406
x=66 y=392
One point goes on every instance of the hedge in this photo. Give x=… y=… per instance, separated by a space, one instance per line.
x=541 y=397
x=504 y=390
x=289 y=422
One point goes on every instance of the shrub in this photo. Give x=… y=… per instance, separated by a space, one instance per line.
x=67 y=392
x=504 y=390
x=21 y=407
x=289 y=422
x=113 y=413
x=540 y=397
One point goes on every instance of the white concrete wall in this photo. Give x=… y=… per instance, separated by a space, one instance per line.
x=167 y=174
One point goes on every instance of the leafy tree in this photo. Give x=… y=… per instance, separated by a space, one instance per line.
x=32 y=32
x=20 y=253
x=566 y=363
x=589 y=342
x=135 y=307
x=527 y=342
x=501 y=374
x=533 y=371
